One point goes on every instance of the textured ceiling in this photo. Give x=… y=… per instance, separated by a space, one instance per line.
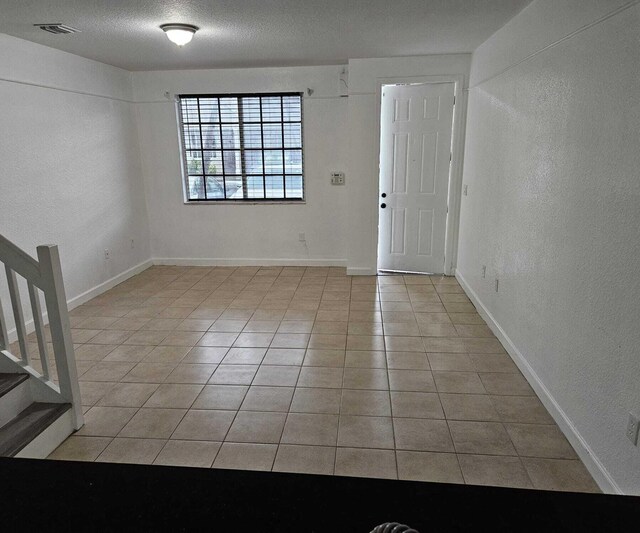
x=250 y=33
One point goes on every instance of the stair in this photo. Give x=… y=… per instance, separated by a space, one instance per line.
x=8 y=382
x=28 y=428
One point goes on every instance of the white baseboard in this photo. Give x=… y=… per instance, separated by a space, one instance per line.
x=109 y=284
x=590 y=460
x=88 y=295
x=186 y=261
x=355 y=271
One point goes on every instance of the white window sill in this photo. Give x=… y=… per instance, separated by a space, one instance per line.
x=247 y=202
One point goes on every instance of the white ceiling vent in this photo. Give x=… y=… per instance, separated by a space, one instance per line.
x=57 y=28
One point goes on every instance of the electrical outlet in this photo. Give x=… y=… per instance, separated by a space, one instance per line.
x=337 y=178
x=301 y=237
x=107 y=254
x=465 y=190
x=497 y=284
x=632 y=429
x=484 y=271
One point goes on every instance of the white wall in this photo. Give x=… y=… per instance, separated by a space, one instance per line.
x=553 y=210
x=340 y=223
x=244 y=234
x=69 y=163
x=364 y=148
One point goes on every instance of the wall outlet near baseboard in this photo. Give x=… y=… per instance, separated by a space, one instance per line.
x=337 y=178
x=107 y=254
x=632 y=429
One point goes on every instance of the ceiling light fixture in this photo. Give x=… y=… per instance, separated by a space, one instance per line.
x=179 y=34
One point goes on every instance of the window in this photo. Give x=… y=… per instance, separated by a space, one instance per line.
x=242 y=147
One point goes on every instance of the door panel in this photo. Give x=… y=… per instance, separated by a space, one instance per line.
x=398 y=230
x=425 y=232
x=401 y=110
x=428 y=163
x=415 y=150
x=431 y=107
x=400 y=162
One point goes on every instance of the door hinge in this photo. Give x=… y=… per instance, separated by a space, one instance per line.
x=454 y=100
x=450 y=157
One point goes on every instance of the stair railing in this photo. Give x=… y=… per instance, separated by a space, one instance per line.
x=44 y=275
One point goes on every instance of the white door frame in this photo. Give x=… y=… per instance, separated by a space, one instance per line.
x=455 y=173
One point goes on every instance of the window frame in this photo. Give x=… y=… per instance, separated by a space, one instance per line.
x=241 y=201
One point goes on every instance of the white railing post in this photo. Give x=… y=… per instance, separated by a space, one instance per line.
x=38 y=325
x=4 y=336
x=18 y=315
x=51 y=273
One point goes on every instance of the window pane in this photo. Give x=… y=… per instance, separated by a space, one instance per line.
x=234 y=187
x=293 y=135
x=273 y=161
x=209 y=110
x=251 y=109
x=211 y=136
x=232 y=162
x=252 y=136
x=272 y=135
x=194 y=163
x=274 y=186
x=292 y=108
x=196 y=188
x=191 y=136
x=229 y=109
x=212 y=162
x=294 y=186
x=230 y=137
x=271 y=111
x=253 y=162
x=293 y=161
x=190 y=110
x=255 y=187
x=215 y=187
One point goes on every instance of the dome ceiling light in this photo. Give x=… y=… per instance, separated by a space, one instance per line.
x=179 y=34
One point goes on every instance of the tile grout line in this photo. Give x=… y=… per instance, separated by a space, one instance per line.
x=335 y=457
x=237 y=411
x=446 y=420
x=275 y=457
x=393 y=425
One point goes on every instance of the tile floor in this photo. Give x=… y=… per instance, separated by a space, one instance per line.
x=309 y=370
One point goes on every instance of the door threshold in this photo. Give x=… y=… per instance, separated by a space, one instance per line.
x=387 y=271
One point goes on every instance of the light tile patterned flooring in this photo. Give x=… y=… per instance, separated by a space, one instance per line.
x=309 y=370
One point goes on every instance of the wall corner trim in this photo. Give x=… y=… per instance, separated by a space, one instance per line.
x=582 y=448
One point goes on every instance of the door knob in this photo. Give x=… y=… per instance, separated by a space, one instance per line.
x=383 y=205
x=384 y=195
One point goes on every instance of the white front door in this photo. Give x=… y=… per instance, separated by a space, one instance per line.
x=415 y=157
